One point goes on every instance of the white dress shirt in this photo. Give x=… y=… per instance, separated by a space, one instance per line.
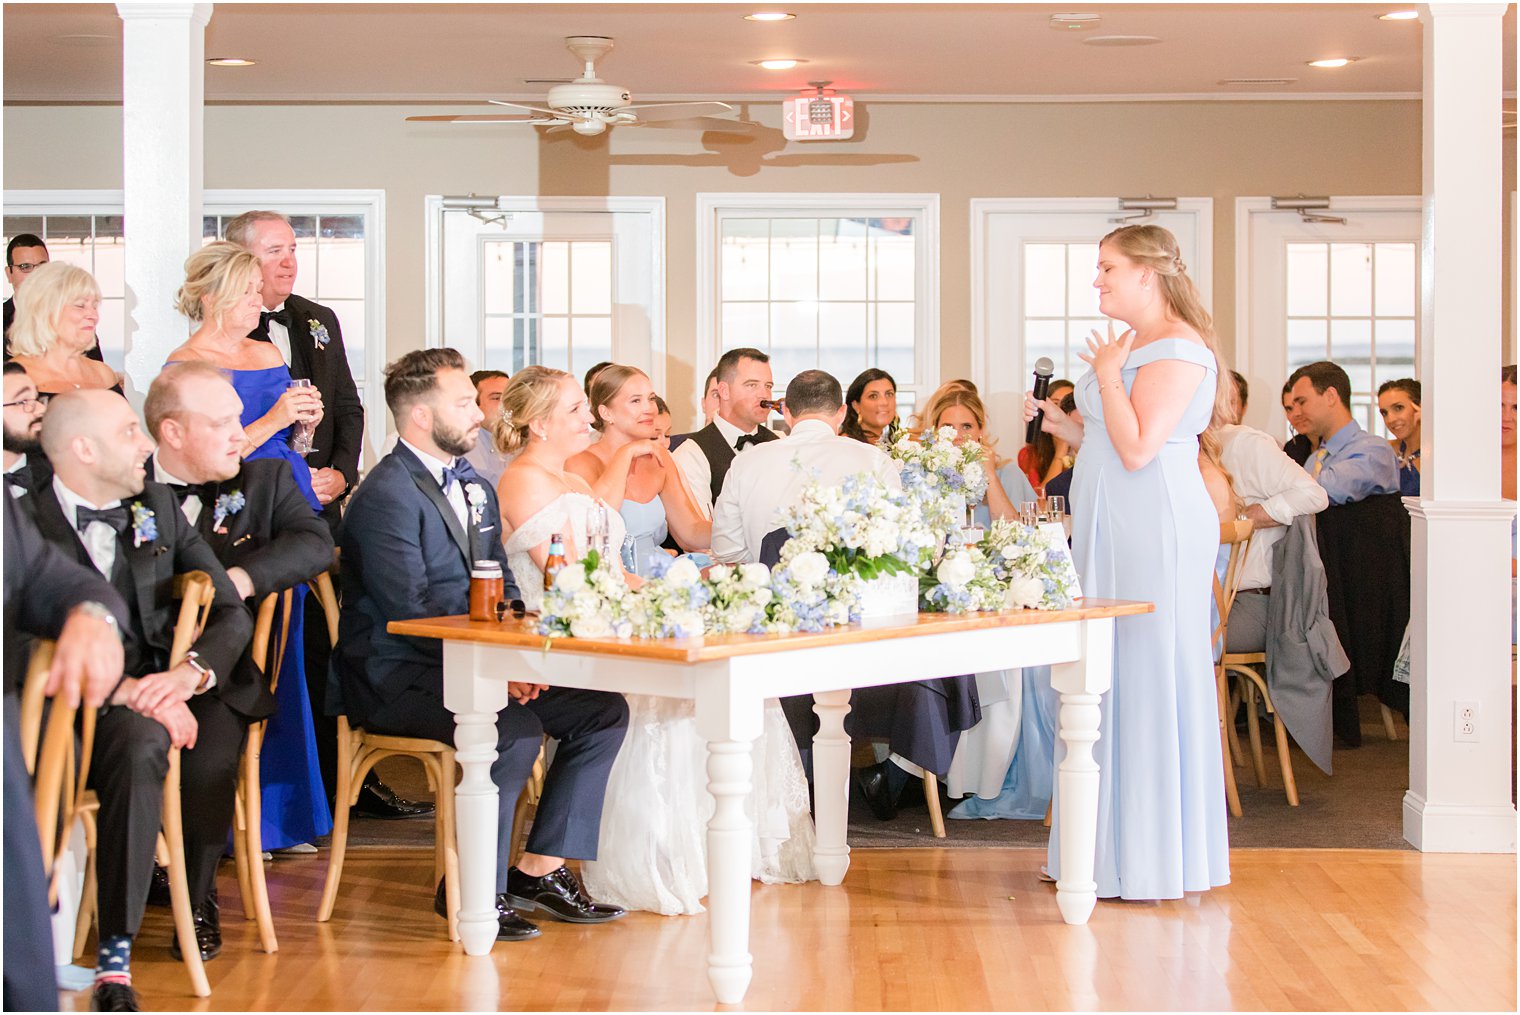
x=190 y=506
x=697 y=470
x=1263 y=474
x=770 y=476
x=279 y=335
x=99 y=539
x=455 y=493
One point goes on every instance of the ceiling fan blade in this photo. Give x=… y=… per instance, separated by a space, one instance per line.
x=674 y=110
x=481 y=118
x=701 y=123
x=551 y=114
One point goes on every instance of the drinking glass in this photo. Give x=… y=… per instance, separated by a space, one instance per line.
x=599 y=530
x=302 y=430
x=1055 y=510
x=1029 y=512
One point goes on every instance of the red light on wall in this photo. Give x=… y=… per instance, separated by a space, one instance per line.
x=818 y=118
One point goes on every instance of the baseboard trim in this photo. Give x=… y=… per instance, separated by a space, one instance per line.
x=1458 y=828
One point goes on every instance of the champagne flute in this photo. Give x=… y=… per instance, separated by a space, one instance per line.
x=303 y=430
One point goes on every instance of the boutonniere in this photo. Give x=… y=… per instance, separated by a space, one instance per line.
x=319 y=335
x=226 y=505
x=144 y=527
x=477 y=498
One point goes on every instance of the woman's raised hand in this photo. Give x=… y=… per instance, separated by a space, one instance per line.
x=1108 y=356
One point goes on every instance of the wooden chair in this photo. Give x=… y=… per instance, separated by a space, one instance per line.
x=195 y=592
x=863 y=756
x=1249 y=683
x=1237 y=536
x=62 y=767
x=270 y=638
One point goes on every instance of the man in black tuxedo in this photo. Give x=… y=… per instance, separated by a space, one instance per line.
x=744 y=380
x=47 y=595
x=100 y=511
x=26 y=466
x=261 y=528
x=412 y=532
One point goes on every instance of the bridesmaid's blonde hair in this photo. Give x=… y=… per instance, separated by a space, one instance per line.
x=217 y=274
x=531 y=394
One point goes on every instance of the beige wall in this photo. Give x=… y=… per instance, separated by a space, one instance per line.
x=1220 y=150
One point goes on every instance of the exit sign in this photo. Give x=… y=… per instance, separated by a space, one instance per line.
x=818 y=118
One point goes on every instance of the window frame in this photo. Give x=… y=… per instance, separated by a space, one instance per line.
x=922 y=208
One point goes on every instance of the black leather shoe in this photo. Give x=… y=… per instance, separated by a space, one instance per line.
x=158 y=888
x=112 y=996
x=874 y=788
x=377 y=800
x=509 y=926
x=558 y=894
x=208 y=931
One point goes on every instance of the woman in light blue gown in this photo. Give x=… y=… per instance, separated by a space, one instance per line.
x=1145 y=529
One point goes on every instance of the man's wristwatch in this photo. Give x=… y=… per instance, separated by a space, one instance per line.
x=208 y=675
x=90 y=608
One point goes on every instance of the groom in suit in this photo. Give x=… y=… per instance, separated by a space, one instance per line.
x=99 y=511
x=421 y=518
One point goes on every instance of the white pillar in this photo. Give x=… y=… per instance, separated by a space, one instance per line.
x=163 y=93
x=1459 y=787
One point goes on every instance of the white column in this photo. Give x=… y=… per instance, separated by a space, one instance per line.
x=163 y=93
x=1459 y=783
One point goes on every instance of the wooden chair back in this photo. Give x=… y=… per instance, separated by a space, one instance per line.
x=61 y=767
x=1237 y=536
x=195 y=592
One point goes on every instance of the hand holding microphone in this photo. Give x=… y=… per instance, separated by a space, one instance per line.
x=1043 y=370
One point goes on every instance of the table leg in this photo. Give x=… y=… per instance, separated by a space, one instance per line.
x=474 y=698
x=1081 y=684
x=730 y=765
x=831 y=786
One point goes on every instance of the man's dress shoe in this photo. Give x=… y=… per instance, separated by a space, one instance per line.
x=509 y=926
x=559 y=894
x=877 y=791
x=208 y=931
x=112 y=996
x=377 y=800
x=158 y=888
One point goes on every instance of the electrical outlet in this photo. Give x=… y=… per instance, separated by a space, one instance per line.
x=1465 y=726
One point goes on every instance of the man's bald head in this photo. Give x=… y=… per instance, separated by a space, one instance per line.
x=96 y=444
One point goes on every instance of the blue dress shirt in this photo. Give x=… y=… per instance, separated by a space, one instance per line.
x=1354 y=465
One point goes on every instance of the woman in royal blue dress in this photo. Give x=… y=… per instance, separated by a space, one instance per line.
x=1399 y=405
x=1145 y=528
x=226 y=281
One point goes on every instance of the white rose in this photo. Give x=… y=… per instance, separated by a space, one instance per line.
x=955 y=570
x=761 y=596
x=1025 y=593
x=809 y=569
x=756 y=576
x=742 y=618
x=687 y=622
x=719 y=572
x=570 y=579
x=683 y=574
x=595 y=626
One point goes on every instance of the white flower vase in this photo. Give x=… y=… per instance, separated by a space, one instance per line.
x=893 y=595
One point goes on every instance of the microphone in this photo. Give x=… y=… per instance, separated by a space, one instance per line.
x=1043 y=368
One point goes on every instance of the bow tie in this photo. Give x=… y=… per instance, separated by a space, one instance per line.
x=116 y=517
x=746 y=440
x=22 y=477
x=461 y=471
x=186 y=491
x=261 y=333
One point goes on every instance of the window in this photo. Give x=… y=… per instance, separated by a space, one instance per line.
x=1354 y=304
x=1060 y=305
x=94 y=243
x=547 y=302
x=832 y=282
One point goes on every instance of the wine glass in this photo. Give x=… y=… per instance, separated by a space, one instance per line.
x=303 y=430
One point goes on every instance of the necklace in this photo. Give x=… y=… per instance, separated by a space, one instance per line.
x=1406 y=458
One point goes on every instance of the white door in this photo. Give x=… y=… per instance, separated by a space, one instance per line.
x=1347 y=292
x=563 y=283
x=1033 y=264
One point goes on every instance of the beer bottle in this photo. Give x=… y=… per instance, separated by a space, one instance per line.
x=555 y=560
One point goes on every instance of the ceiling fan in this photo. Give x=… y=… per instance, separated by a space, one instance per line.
x=588 y=105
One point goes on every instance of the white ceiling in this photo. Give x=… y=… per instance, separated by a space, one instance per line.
x=461 y=53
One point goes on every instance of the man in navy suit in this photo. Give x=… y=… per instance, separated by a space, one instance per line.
x=411 y=532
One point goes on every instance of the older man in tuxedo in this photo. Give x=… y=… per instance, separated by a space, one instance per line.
x=921 y=721
x=413 y=530
x=744 y=381
x=100 y=511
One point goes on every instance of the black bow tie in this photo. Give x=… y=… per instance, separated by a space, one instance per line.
x=188 y=490
x=261 y=333
x=461 y=470
x=22 y=477
x=746 y=440
x=116 y=517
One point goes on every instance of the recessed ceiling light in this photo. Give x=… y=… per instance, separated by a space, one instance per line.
x=88 y=39
x=1332 y=62
x=1120 y=40
x=1074 y=22
x=1399 y=16
x=769 y=16
x=231 y=61
x=778 y=64
x=1258 y=81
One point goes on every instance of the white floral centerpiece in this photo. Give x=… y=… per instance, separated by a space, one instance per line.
x=671 y=604
x=740 y=598
x=1037 y=573
x=941 y=477
x=965 y=581
x=588 y=599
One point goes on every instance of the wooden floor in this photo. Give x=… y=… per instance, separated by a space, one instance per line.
x=911 y=929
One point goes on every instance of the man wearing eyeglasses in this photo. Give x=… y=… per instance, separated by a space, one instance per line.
x=25 y=464
x=24 y=254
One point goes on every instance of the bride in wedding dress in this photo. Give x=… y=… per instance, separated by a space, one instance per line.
x=652 y=853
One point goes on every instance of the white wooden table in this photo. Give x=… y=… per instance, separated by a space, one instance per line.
x=729 y=677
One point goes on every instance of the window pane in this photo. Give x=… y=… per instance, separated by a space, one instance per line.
x=554 y=279
x=793 y=339
x=110 y=267
x=895 y=340
x=15 y=224
x=1395 y=278
x=794 y=259
x=1351 y=349
x=340 y=268
x=893 y=251
x=1044 y=338
x=746 y=324
x=351 y=321
x=498 y=264
x=842 y=340
x=1395 y=350
x=1307 y=263
x=211 y=227
x=1044 y=279
x=842 y=259
x=304 y=226
x=592 y=288
x=500 y=353
x=67 y=228
x=590 y=342
x=745 y=249
x=1350 y=279
x=1307 y=342
x=555 y=349
x=1081 y=297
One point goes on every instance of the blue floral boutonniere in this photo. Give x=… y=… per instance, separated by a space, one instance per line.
x=226 y=505
x=144 y=527
x=477 y=498
x=319 y=335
